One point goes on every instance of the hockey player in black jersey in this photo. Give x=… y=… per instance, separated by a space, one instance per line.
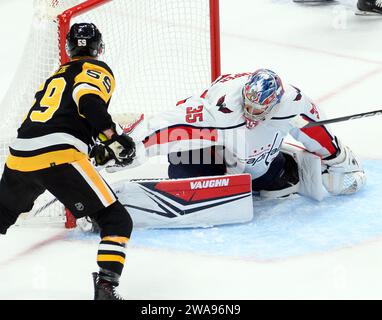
x=51 y=153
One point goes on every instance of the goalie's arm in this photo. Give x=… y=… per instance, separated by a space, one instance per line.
x=317 y=139
x=342 y=172
x=186 y=127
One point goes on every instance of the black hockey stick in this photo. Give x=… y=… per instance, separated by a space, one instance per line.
x=351 y=117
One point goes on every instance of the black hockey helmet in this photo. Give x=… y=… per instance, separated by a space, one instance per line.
x=84 y=39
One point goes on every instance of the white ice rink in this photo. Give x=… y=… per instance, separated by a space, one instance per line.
x=326 y=51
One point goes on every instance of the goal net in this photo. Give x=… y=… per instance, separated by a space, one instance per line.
x=160 y=51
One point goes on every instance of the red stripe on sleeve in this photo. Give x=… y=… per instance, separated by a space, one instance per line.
x=179 y=133
x=321 y=135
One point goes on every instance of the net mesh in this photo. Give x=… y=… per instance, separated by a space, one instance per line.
x=159 y=51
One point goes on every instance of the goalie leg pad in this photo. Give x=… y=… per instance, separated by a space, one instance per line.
x=187 y=203
x=309 y=171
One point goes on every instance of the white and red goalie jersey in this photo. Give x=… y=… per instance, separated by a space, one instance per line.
x=216 y=118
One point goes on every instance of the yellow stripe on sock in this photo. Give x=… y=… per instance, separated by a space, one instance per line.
x=120 y=240
x=110 y=258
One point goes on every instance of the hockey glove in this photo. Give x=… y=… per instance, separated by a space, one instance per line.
x=121 y=148
x=98 y=152
x=100 y=155
x=344 y=173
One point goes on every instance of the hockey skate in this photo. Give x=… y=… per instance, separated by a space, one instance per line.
x=104 y=290
x=369 y=8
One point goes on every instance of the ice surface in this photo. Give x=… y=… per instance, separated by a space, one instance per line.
x=293 y=248
x=282 y=228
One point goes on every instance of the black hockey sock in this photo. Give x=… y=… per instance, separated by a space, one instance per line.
x=116 y=226
x=111 y=258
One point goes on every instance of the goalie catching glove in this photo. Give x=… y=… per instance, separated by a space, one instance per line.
x=120 y=148
x=344 y=173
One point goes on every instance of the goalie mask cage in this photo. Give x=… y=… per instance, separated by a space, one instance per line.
x=160 y=51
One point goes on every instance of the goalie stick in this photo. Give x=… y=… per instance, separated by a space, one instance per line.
x=345 y=118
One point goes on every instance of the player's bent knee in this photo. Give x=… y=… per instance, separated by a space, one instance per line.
x=114 y=220
x=7 y=219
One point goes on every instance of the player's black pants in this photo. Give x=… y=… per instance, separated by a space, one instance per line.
x=76 y=185
x=82 y=190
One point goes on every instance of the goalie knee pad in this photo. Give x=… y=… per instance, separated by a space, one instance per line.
x=114 y=220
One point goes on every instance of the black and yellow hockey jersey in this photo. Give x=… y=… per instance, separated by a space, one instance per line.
x=69 y=110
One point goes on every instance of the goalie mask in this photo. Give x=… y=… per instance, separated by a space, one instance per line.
x=84 y=39
x=261 y=93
